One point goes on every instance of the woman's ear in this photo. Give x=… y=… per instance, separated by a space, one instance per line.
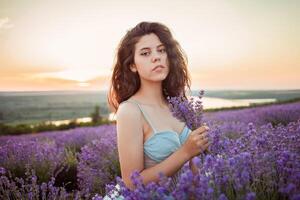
x=133 y=68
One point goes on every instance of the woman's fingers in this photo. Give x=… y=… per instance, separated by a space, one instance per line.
x=204 y=134
x=205 y=141
x=202 y=142
x=201 y=130
x=206 y=145
x=201 y=137
x=198 y=141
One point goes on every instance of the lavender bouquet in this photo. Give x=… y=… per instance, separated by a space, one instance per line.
x=188 y=111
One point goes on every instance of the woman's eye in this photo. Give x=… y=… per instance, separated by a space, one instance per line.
x=162 y=50
x=145 y=53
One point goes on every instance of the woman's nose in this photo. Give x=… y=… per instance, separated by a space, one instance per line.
x=155 y=57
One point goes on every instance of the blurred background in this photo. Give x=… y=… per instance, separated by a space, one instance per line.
x=56 y=57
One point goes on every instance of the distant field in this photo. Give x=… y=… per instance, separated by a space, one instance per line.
x=36 y=107
x=32 y=107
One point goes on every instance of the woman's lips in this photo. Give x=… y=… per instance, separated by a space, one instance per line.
x=158 y=67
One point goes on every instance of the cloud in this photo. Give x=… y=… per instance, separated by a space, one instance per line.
x=5 y=23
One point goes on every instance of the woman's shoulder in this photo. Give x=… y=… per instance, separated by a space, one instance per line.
x=128 y=108
x=129 y=116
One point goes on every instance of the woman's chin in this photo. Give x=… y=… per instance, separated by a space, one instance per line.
x=156 y=78
x=160 y=78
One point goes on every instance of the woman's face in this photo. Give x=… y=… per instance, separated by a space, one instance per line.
x=150 y=58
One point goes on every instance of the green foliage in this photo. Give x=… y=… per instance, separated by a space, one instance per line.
x=16 y=130
x=26 y=128
x=96 y=117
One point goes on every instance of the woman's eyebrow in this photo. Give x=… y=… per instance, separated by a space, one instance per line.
x=146 y=48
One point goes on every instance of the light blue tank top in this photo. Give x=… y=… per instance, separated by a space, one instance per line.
x=161 y=144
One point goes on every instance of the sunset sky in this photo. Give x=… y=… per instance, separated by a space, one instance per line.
x=71 y=44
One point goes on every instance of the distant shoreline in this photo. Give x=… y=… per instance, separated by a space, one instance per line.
x=34 y=107
x=18 y=129
x=253 y=105
x=225 y=94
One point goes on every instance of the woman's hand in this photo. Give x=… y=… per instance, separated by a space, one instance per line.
x=197 y=142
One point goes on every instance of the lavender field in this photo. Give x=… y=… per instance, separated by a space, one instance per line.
x=255 y=154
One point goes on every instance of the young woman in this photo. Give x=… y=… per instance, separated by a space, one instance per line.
x=150 y=65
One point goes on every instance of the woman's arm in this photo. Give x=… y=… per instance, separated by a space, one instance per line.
x=131 y=151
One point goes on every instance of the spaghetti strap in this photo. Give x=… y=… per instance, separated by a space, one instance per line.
x=144 y=113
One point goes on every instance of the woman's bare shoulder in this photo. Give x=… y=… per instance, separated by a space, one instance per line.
x=129 y=110
x=128 y=120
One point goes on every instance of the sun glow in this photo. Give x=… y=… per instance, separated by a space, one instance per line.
x=83 y=84
x=73 y=74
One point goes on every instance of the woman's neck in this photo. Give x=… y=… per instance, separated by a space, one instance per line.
x=151 y=94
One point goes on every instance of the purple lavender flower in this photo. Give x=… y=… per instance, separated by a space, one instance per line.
x=188 y=111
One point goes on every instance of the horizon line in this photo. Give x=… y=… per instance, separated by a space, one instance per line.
x=2 y=91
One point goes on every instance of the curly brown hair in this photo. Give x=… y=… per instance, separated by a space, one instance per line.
x=124 y=83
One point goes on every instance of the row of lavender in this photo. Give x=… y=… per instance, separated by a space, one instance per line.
x=73 y=163
x=254 y=155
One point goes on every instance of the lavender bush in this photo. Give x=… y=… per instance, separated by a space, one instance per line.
x=54 y=154
x=45 y=158
x=254 y=155
x=28 y=188
x=98 y=165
